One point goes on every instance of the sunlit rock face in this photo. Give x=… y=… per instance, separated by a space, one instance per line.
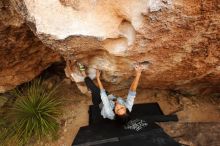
x=179 y=38
x=22 y=55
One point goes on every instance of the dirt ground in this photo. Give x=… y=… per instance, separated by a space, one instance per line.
x=194 y=134
x=198 y=125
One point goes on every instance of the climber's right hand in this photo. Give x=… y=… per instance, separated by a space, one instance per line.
x=98 y=73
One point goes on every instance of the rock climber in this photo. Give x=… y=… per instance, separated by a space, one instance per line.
x=112 y=107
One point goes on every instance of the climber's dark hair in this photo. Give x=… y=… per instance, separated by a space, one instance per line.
x=123 y=119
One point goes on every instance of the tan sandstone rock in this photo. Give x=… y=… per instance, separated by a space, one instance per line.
x=22 y=55
x=179 y=38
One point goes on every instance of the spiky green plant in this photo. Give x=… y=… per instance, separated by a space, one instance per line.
x=35 y=112
x=2 y=100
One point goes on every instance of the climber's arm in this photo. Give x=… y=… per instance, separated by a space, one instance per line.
x=108 y=113
x=134 y=84
x=98 y=80
x=132 y=92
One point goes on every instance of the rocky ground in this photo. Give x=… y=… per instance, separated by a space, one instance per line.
x=194 y=133
x=199 y=116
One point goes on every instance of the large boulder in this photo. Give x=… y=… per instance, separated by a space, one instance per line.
x=22 y=55
x=179 y=38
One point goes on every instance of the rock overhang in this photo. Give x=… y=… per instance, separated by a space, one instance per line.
x=176 y=37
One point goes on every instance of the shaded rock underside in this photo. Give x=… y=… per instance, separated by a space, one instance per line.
x=22 y=55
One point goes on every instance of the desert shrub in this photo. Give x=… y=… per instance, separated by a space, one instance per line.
x=34 y=113
x=2 y=100
x=6 y=133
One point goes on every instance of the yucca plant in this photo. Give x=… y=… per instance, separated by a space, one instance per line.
x=35 y=112
x=2 y=100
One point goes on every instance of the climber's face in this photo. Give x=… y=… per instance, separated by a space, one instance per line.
x=120 y=109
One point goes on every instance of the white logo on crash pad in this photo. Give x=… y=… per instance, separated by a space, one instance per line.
x=136 y=125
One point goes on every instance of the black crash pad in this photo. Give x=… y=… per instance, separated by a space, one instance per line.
x=109 y=134
x=150 y=112
x=105 y=132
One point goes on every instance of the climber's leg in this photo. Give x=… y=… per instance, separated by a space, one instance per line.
x=95 y=91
